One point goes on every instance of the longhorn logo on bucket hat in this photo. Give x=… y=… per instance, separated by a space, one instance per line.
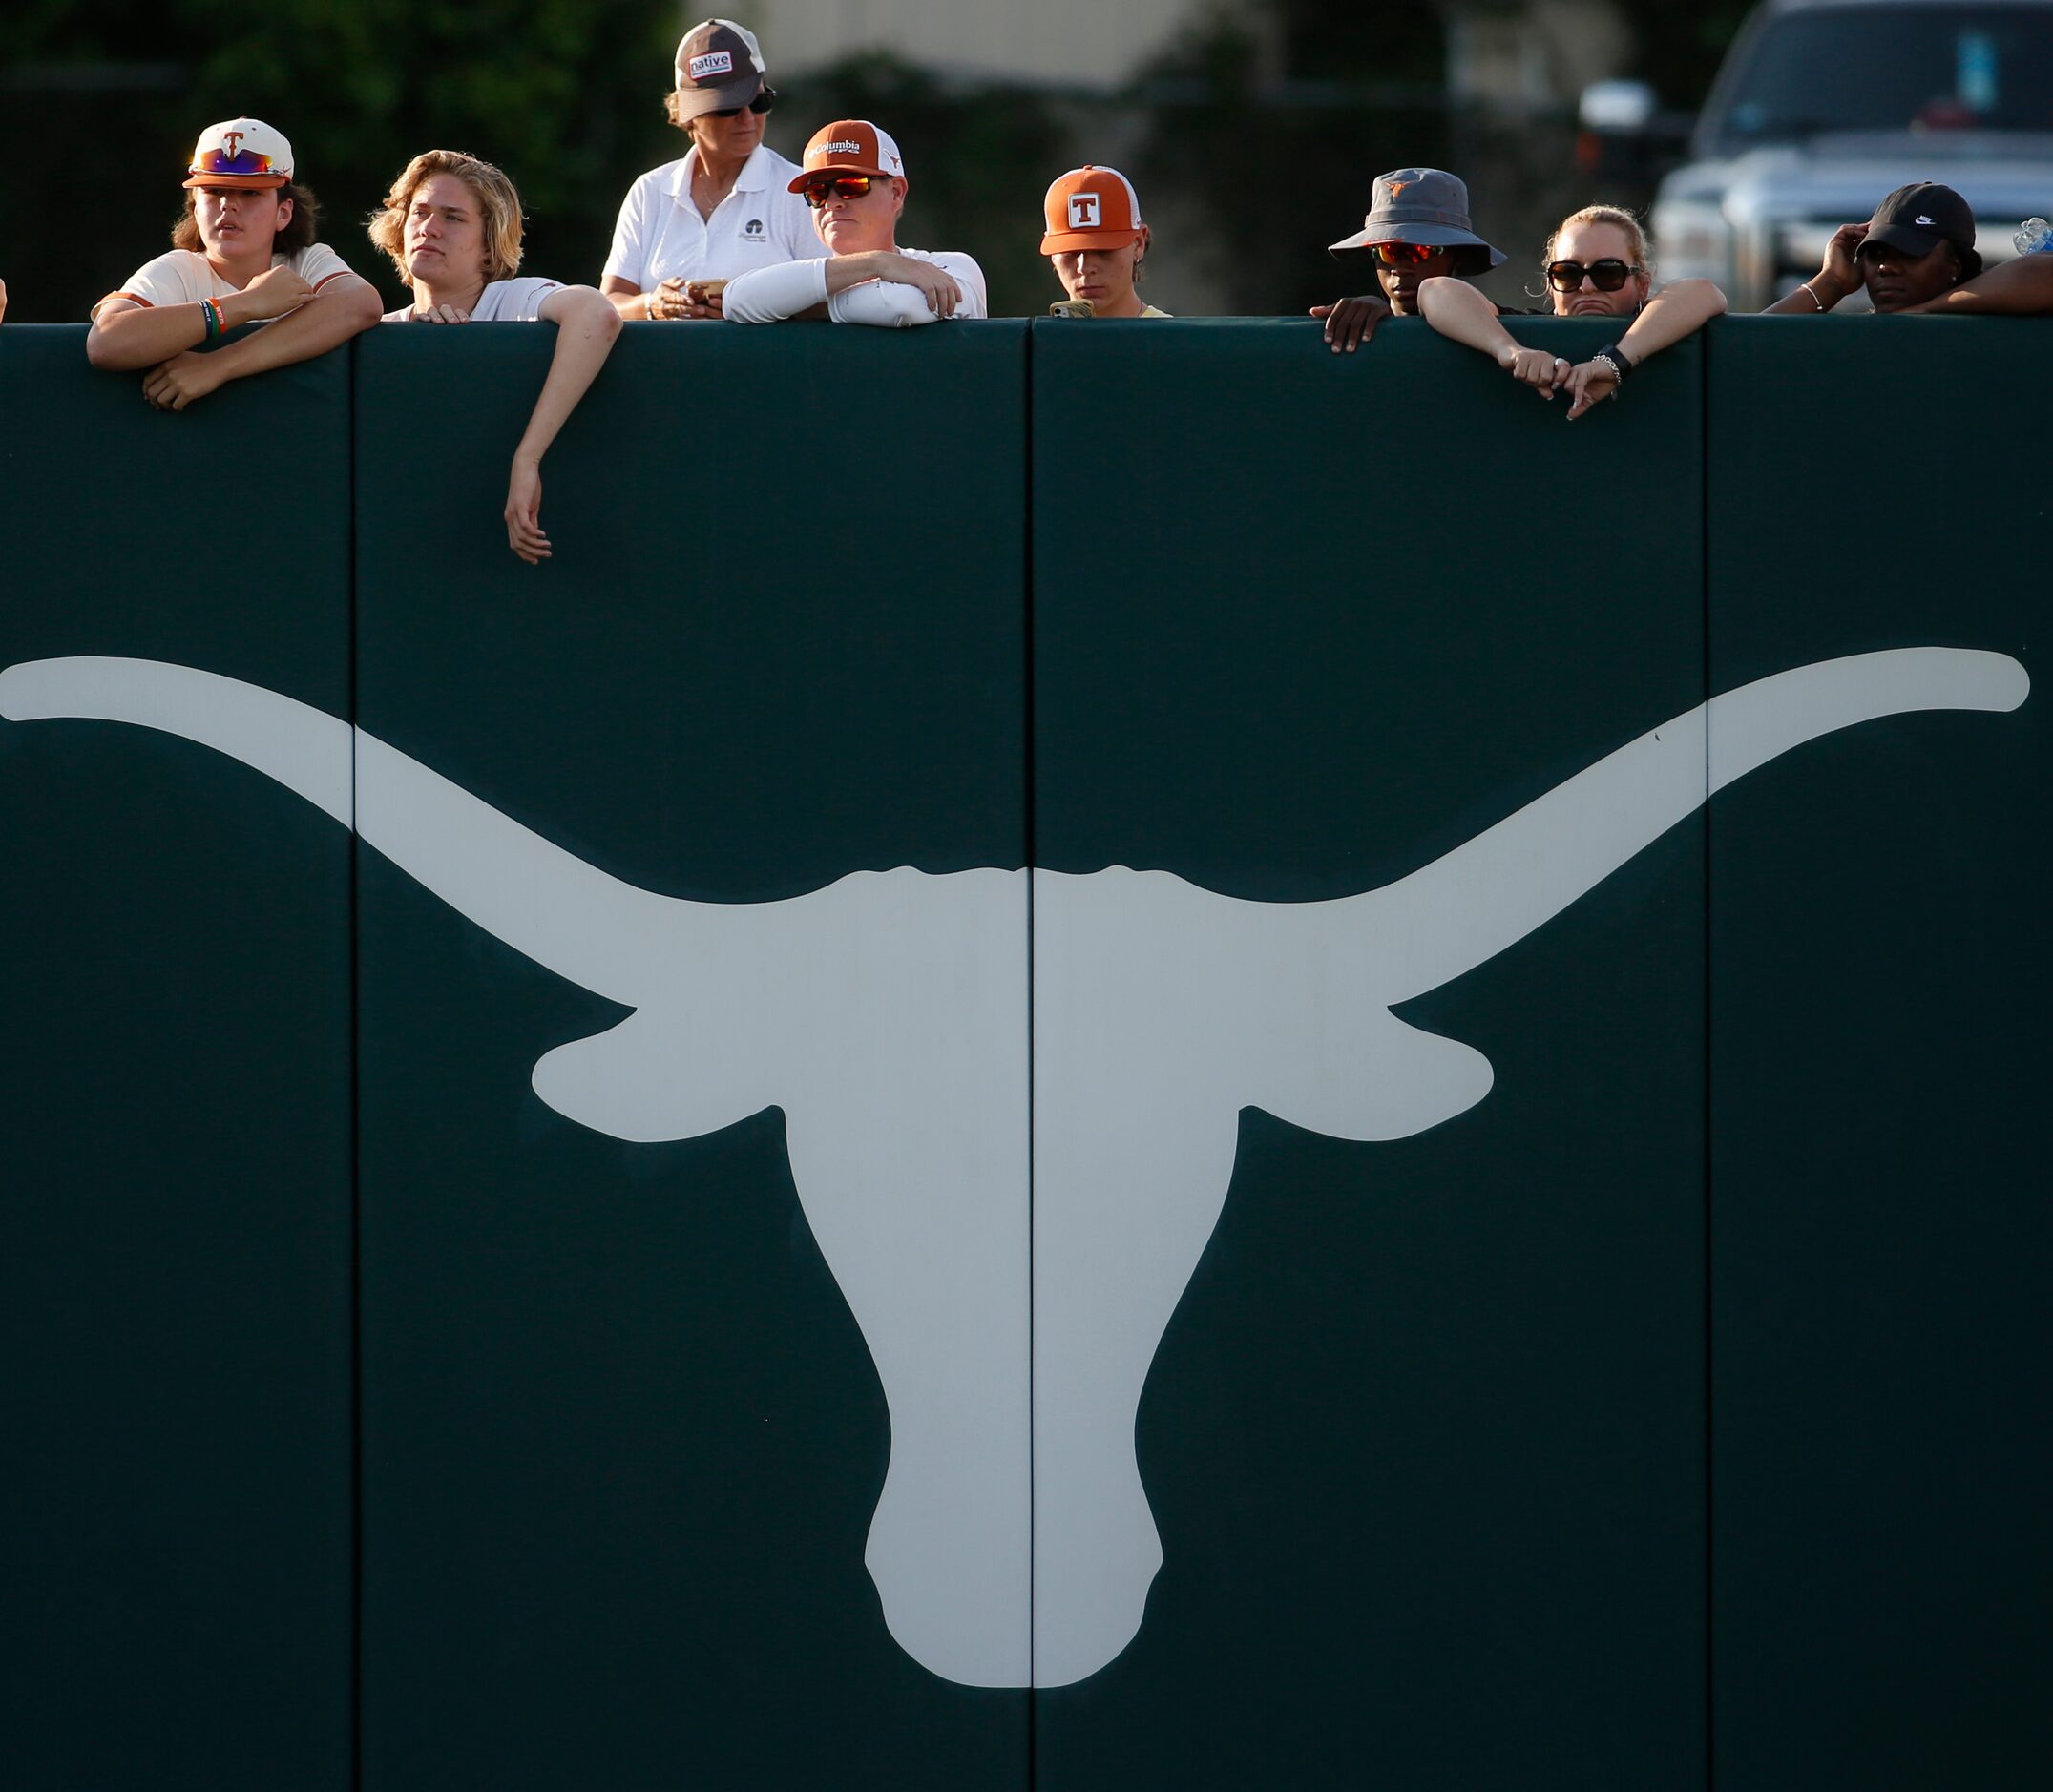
x=1159 y=1009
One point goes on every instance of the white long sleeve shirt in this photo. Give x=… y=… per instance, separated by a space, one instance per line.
x=770 y=295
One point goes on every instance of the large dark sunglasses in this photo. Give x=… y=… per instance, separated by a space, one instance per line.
x=1607 y=276
x=840 y=187
x=1404 y=254
x=762 y=103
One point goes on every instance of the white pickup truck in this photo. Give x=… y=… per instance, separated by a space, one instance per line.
x=1825 y=106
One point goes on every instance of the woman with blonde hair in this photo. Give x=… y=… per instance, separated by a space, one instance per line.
x=451 y=224
x=1597 y=265
x=722 y=209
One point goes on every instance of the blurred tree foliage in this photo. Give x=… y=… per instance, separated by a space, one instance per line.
x=99 y=105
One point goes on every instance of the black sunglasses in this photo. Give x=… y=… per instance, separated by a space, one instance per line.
x=762 y=103
x=1607 y=276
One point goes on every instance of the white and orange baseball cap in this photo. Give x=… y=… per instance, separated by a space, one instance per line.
x=850 y=146
x=1091 y=208
x=241 y=153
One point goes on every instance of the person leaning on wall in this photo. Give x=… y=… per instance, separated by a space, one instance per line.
x=1916 y=256
x=243 y=252
x=1597 y=265
x=1417 y=229
x=725 y=207
x=854 y=181
x=1096 y=244
x=452 y=226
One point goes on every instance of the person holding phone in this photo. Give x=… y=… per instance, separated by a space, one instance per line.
x=724 y=207
x=1096 y=244
x=1597 y=265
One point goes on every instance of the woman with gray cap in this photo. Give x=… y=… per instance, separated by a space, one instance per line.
x=726 y=206
x=1417 y=229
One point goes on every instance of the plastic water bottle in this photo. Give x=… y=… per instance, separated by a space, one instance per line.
x=2035 y=237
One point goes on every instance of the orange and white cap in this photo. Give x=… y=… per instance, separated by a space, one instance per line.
x=241 y=153
x=1091 y=208
x=850 y=146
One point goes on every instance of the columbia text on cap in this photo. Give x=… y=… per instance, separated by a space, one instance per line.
x=719 y=66
x=239 y=153
x=1091 y=208
x=850 y=146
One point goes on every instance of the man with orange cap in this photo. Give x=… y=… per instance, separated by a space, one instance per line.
x=854 y=179
x=1098 y=242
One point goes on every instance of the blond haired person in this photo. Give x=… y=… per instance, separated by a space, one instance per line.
x=1096 y=242
x=451 y=224
x=1597 y=265
x=724 y=207
x=243 y=252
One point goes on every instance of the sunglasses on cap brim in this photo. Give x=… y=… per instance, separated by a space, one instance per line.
x=1607 y=276
x=759 y=105
x=838 y=187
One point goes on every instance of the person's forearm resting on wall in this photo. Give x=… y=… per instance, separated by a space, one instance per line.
x=2022 y=288
x=1671 y=314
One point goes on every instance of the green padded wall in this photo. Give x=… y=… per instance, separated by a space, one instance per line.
x=1424 y=1437
x=175 y=1134
x=622 y=1435
x=1880 y=1034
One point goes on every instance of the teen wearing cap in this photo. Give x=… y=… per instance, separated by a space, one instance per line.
x=451 y=224
x=688 y=228
x=1417 y=229
x=854 y=181
x=243 y=252
x=1918 y=254
x=1097 y=242
x=1597 y=265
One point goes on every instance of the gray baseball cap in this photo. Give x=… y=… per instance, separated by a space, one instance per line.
x=1422 y=205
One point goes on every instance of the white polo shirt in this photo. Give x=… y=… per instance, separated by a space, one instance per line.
x=184 y=276
x=516 y=300
x=661 y=235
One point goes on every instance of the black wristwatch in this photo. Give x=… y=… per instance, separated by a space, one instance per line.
x=1616 y=359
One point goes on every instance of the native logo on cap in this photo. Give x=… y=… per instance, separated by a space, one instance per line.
x=713 y=62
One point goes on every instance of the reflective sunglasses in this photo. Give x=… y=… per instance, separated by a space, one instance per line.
x=1404 y=254
x=1607 y=276
x=840 y=187
x=759 y=105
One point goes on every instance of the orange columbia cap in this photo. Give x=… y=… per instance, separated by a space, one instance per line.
x=1091 y=208
x=241 y=153
x=850 y=146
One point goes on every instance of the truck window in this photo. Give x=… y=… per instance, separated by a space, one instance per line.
x=1887 y=69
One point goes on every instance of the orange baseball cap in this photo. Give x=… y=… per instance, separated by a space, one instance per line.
x=1091 y=208
x=239 y=153
x=850 y=146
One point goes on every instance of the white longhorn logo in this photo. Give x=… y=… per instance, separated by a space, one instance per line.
x=880 y=1015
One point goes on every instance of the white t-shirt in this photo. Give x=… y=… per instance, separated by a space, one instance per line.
x=661 y=235
x=184 y=276
x=777 y=293
x=517 y=300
